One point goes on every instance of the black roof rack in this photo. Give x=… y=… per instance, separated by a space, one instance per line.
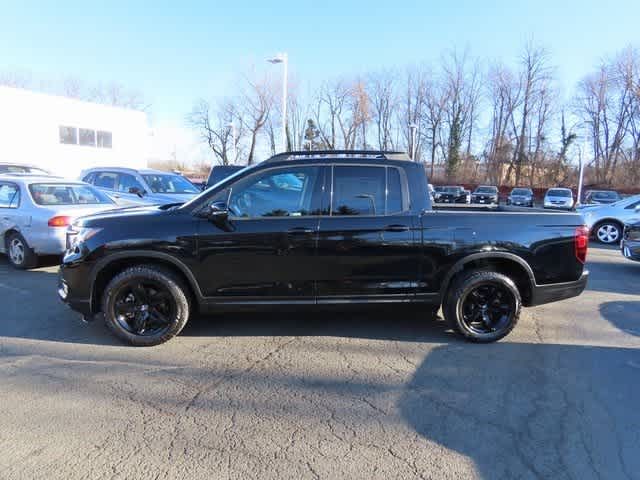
x=385 y=155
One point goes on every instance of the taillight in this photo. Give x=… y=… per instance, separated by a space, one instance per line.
x=581 y=240
x=60 y=221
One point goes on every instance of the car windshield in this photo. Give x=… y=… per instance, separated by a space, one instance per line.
x=67 y=194
x=169 y=183
x=220 y=173
x=558 y=192
x=521 y=191
x=452 y=189
x=606 y=195
x=486 y=190
x=22 y=169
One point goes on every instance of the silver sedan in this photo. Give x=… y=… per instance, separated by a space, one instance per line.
x=606 y=222
x=35 y=212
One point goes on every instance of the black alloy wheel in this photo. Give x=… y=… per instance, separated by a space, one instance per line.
x=146 y=305
x=483 y=306
x=487 y=308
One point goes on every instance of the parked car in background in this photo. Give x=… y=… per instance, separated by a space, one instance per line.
x=6 y=167
x=606 y=222
x=453 y=194
x=559 y=198
x=128 y=186
x=437 y=191
x=485 y=194
x=601 y=197
x=329 y=230
x=220 y=172
x=630 y=245
x=35 y=212
x=521 y=197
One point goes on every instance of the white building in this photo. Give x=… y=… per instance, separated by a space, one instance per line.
x=65 y=135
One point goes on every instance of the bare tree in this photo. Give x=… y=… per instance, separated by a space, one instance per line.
x=435 y=101
x=461 y=79
x=219 y=129
x=383 y=98
x=257 y=99
x=534 y=85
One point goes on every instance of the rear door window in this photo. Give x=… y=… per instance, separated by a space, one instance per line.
x=9 y=195
x=106 y=180
x=366 y=190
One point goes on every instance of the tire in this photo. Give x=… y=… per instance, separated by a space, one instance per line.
x=20 y=255
x=461 y=306
x=608 y=232
x=143 y=296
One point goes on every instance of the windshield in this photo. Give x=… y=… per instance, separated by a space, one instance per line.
x=22 y=169
x=521 y=191
x=452 y=189
x=67 y=194
x=606 y=195
x=168 y=183
x=220 y=173
x=557 y=192
x=486 y=190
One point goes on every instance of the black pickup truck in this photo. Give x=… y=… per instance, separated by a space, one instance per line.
x=317 y=228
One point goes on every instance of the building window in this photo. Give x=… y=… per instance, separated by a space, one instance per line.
x=87 y=137
x=104 y=139
x=69 y=135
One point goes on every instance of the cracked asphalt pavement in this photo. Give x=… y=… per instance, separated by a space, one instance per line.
x=360 y=395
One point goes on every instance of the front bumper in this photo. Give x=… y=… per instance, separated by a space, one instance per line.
x=630 y=249
x=554 y=292
x=74 y=287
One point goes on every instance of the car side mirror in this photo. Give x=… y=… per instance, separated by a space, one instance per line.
x=137 y=191
x=218 y=211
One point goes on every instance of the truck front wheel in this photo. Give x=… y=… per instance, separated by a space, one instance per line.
x=145 y=305
x=482 y=306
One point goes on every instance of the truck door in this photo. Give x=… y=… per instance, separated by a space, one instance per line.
x=367 y=249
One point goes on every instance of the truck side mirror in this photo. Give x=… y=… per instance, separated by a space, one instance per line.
x=218 y=211
x=137 y=191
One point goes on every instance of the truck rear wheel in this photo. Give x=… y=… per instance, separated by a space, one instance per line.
x=145 y=305
x=482 y=306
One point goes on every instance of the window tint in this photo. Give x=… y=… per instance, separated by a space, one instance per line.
x=61 y=194
x=106 y=180
x=89 y=178
x=633 y=205
x=559 y=193
x=9 y=195
x=69 y=135
x=126 y=182
x=277 y=193
x=169 y=183
x=358 y=190
x=394 y=191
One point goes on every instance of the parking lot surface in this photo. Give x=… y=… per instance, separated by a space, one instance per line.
x=366 y=394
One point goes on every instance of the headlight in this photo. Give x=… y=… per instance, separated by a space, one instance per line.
x=77 y=235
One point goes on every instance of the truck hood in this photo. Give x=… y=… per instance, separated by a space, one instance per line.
x=137 y=214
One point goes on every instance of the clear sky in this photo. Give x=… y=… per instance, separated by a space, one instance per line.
x=176 y=52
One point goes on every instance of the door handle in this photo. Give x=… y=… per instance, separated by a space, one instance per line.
x=396 y=228
x=300 y=230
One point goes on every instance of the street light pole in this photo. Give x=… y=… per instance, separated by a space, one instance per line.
x=283 y=58
x=414 y=129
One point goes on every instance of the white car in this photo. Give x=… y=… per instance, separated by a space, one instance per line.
x=606 y=222
x=558 y=198
x=35 y=212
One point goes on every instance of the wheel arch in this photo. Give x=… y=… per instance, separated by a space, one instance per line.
x=113 y=264
x=506 y=263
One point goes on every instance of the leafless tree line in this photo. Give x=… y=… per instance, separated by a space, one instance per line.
x=504 y=123
x=113 y=93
